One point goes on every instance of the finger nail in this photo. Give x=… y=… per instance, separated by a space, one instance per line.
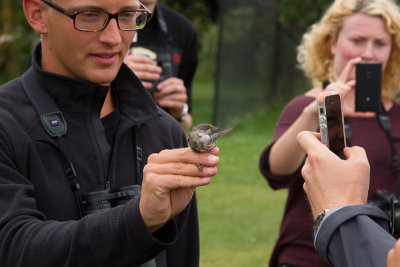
x=213 y=159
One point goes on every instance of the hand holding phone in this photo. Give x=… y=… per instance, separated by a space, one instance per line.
x=368 y=86
x=331 y=122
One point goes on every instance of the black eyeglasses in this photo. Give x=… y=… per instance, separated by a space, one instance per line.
x=93 y=21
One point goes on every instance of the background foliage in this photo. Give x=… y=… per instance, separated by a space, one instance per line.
x=17 y=38
x=239 y=214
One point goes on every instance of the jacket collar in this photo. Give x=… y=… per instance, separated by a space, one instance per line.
x=77 y=95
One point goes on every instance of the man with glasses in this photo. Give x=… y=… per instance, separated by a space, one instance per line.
x=92 y=171
x=164 y=58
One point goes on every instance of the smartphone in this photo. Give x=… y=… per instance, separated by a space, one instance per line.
x=368 y=86
x=331 y=122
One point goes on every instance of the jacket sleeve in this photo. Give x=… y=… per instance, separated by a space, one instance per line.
x=28 y=238
x=355 y=236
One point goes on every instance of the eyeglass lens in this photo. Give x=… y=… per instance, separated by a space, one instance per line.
x=94 y=20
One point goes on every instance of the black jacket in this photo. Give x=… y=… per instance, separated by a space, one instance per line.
x=39 y=219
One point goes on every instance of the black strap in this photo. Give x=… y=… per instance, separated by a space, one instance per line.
x=384 y=122
x=347 y=130
x=139 y=155
x=54 y=124
x=161 y=20
x=165 y=59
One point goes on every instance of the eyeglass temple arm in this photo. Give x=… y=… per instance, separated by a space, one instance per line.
x=145 y=8
x=58 y=8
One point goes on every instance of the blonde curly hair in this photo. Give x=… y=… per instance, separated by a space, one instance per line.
x=314 y=52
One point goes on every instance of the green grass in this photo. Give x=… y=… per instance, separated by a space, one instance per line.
x=239 y=213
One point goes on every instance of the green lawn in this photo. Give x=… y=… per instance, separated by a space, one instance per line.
x=239 y=214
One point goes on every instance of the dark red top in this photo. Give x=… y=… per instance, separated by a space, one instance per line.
x=295 y=245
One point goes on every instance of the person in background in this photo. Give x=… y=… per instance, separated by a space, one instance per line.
x=347 y=232
x=164 y=57
x=350 y=32
x=92 y=171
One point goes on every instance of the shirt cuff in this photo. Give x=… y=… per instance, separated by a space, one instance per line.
x=329 y=213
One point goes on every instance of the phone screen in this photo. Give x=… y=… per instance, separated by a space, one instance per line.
x=334 y=121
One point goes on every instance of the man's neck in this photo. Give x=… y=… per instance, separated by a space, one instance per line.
x=109 y=105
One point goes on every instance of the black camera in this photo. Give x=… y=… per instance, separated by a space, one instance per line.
x=389 y=203
x=163 y=59
x=165 y=62
x=106 y=199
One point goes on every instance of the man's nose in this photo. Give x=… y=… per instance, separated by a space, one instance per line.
x=111 y=34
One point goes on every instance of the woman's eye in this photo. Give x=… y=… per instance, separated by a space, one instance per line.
x=357 y=40
x=380 y=43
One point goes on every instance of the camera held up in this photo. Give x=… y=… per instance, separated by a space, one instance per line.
x=164 y=60
x=390 y=204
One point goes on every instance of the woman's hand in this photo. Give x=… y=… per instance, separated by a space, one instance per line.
x=345 y=85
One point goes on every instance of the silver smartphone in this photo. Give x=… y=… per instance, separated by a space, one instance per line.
x=331 y=122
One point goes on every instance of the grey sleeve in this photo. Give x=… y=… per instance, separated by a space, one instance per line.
x=355 y=236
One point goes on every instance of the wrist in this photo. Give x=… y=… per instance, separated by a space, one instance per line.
x=310 y=116
x=311 y=109
x=318 y=221
x=184 y=113
x=153 y=223
x=181 y=115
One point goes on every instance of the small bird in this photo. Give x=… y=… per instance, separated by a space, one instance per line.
x=203 y=137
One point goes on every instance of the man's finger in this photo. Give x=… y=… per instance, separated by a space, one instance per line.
x=147 y=85
x=140 y=59
x=391 y=258
x=184 y=169
x=172 y=81
x=355 y=152
x=175 y=93
x=186 y=155
x=309 y=141
x=174 y=182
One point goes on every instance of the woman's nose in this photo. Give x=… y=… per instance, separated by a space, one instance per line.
x=368 y=52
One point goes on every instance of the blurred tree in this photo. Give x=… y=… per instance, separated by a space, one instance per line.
x=204 y=16
x=6 y=37
x=208 y=9
x=202 y=13
x=16 y=39
x=301 y=13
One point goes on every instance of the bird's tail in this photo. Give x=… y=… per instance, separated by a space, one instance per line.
x=218 y=134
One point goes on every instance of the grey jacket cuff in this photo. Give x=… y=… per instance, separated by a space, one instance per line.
x=337 y=219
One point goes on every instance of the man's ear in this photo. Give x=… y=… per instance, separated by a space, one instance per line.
x=36 y=15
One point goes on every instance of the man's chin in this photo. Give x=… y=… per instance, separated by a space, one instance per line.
x=103 y=78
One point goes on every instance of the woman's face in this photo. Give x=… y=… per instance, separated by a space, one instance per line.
x=361 y=36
